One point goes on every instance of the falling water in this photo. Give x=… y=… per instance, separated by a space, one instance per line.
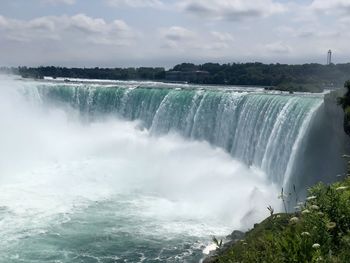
x=260 y=129
x=129 y=173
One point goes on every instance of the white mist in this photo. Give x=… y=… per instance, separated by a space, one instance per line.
x=52 y=163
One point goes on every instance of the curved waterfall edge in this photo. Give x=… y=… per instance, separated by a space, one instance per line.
x=294 y=157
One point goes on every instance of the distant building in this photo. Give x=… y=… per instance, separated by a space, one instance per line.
x=329 y=57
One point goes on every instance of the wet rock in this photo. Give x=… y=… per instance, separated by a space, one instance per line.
x=236 y=235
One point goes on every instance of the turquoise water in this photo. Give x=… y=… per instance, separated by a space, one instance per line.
x=107 y=232
x=96 y=173
x=258 y=128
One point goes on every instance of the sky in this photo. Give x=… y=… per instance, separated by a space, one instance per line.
x=134 y=33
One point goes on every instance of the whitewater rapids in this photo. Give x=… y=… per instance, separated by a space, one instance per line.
x=109 y=190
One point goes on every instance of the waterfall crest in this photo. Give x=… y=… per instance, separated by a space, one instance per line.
x=261 y=129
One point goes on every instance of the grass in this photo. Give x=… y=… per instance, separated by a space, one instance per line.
x=318 y=231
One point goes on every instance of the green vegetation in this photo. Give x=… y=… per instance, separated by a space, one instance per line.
x=344 y=102
x=304 y=78
x=319 y=231
x=143 y=73
x=307 y=77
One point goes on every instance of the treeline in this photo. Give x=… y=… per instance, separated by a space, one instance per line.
x=142 y=73
x=307 y=77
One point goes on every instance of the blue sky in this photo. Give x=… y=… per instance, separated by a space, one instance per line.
x=117 y=33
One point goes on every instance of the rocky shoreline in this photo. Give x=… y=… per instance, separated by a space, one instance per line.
x=230 y=240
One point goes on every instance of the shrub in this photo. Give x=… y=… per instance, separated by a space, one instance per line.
x=319 y=233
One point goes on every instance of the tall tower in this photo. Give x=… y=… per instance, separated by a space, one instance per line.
x=329 y=57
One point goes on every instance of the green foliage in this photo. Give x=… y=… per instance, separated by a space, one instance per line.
x=319 y=233
x=142 y=73
x=271 y=210
x=300 y=78
x=307 y=77
x=217 y=242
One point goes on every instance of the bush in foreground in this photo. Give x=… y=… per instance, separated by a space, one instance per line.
x=318 y=231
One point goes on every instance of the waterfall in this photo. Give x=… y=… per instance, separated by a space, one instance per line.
x=261 y=129
x=151 y=172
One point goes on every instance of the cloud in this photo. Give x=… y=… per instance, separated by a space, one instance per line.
x=184 y=30
x=77 y=28
x=278 y=47
x=176 y=37
x=135 y=3
x=177 y=33
x=183 y=40
x=222 y=36
x=231 y=10
x=66 y=40
x=55 y=2
x=344 y=21
x=327 y=6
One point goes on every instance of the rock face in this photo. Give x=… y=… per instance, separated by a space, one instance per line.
x=231 y=239
x=211 y=259
x=326 y=141
x=343 y=100
x=347 y=124
x=236 y=235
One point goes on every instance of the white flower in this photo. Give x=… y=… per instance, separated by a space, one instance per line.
x=297 y=207
x=306 y=211
x=331 y=225
x=341 y=188
x=294 y=220
x=314 y=207
x=305 y=234
x=316 y=246
x=311 y=198
x=320 y=213
x=300 y=204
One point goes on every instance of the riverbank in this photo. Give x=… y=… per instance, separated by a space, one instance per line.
x=317 y=231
